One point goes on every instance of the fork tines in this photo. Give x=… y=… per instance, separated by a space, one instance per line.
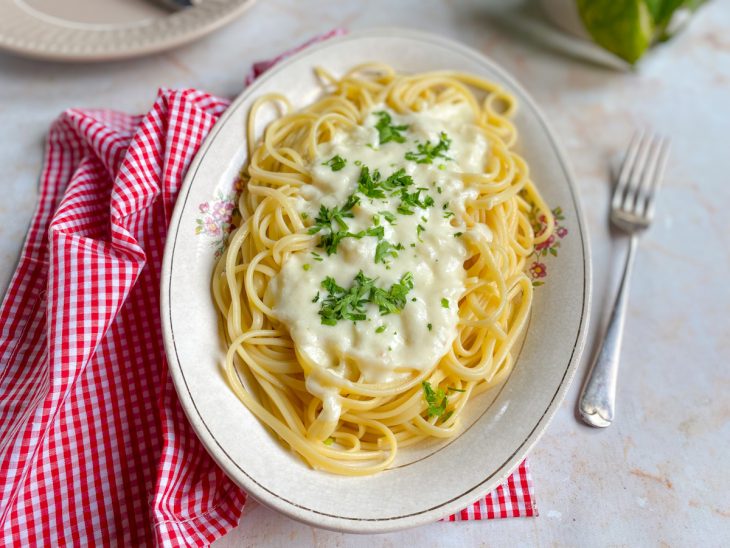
x=641 y=173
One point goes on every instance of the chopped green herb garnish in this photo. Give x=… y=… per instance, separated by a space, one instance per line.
x=358 y=163
x=375 y=231
x=328 y=218
x=306 y=266
x=381 y=329
x=437 y=400
x=438 y=189
x=376 y=220
x=349 y=304
x=386 y=130
x=316 y=297
x=331 y=241
x=452 y=389
x=305 y=215
x=448 y=214
x=329 y=441
x=397 y=181
x=445 y=302
x=442 y=167
x=345 y=304
x=386 y=249
x=317 y=256
x=457 y=234
x=430 y=327
x=394 y=299
x=424 y=219
x=428 y=152
x=413 y=245
x=447 y=416
x=419 y=230
x=368 y=183
x=373 y=186
x=388 y=216
x=335 y=215
x=413 y=199
x=336 y=163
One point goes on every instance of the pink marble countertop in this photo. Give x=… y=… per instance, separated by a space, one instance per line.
x=660 y=474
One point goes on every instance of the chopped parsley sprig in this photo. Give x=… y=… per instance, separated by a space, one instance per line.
x=427 y=152
x=372 y=185
x=386 y=250
x=437 y=401
x=369 y=183
x=349 y=304
x=409 y=200
x=345 y=304
x=394 y=299
x=327 y=216
x=388 y=216
x=336 y=163
x=386 y=130
x=330 y=241
x=331 y=221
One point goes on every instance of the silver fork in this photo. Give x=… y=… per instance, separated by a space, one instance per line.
x=632 y=210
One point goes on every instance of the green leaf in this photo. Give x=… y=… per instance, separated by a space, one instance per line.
x=623 y=27
x=664 y=10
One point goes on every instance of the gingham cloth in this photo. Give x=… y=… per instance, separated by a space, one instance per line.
x=94 y=446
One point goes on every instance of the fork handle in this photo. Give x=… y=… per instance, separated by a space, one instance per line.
x=598 y=400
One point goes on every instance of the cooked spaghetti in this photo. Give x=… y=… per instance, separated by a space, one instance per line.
x=375 y=281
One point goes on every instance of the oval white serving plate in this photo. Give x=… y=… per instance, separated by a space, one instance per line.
x=427 y=482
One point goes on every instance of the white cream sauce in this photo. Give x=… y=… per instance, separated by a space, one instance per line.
x=418 y=336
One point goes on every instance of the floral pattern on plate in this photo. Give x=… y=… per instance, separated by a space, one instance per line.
x=216 y=216
x=538 y=269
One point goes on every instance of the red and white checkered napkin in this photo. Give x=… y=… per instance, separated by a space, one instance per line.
x=94 y=446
